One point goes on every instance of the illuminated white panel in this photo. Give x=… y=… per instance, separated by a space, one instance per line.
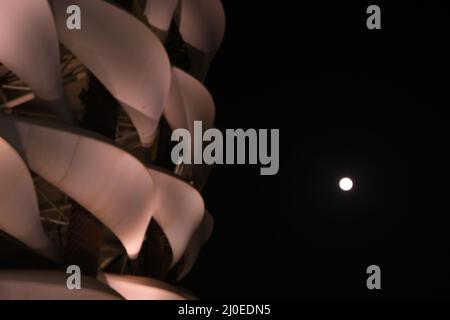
x=19 y=212
x=200 y=237
x=138 y=288
x=50 y=285
x=124 y=55
x=202 y=27
x=179 y=211
x=29 y=48
x=107 y=181
x=188 y=101
x=144 y=125
x=202 y=24
x=159 y=14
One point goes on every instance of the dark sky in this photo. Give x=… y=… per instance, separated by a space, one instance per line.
x=348 y=101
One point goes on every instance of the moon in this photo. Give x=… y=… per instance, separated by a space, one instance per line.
x=346 y=184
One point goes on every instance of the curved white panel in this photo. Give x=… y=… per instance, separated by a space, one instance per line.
x=159 y=14
x=138 y=288
x=50 y=285
x=124 y=55
x=107 y=181
x=179 y=211
x=202 y=27
x=29 y=48
x=188 y=101
x=19 y=212
x=144 y=125
x=200 y=237
x=202 y=24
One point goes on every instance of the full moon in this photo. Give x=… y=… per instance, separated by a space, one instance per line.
x=346 y=184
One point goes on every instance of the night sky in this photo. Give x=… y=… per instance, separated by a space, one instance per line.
x=370 y=105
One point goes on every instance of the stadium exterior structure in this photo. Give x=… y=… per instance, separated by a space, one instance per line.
x=85 y=126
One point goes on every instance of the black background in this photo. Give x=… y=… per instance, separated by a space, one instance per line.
x=348 y=101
